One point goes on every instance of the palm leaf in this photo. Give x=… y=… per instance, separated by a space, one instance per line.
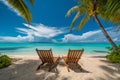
x=74 y=20
x=113 y=6
x=73 y=9
x=114 y=19
x=20 y=6
x=32 y=2
x=83 y=21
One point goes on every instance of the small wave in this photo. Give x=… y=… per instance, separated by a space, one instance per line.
x=99 y=51
x=12 y=48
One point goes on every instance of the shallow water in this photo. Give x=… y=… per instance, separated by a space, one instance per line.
x=57 y=48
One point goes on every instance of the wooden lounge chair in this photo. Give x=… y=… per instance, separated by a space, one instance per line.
x=73 y=57
x=46 y=56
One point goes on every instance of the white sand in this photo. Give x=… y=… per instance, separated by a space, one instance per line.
x=95 y=67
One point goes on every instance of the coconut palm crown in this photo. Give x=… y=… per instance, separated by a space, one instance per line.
x=109 y=10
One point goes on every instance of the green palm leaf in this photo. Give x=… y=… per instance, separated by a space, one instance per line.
x=73 y=9
x=20 y=6
x=74 y=20
x=80 y=10
x=114 y=6
x=32 y=2
x=83 y=21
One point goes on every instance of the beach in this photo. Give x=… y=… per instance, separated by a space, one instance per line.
x=88 y=39
x=94 y=67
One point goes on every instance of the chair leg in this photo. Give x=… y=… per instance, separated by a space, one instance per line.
x=57 y=61
x=50 y=68
x=39 y=66
x=53 y=65
x=67 y=66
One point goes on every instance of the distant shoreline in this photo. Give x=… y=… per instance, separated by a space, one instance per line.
x=29 y=48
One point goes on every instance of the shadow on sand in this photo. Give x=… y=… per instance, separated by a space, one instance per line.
x=112 y=68
x=26 y=70
x=73 y=67
x=99 y=56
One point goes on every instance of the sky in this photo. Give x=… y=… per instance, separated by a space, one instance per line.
x=49 y=24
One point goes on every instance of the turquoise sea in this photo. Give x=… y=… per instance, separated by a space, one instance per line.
x=57 y=48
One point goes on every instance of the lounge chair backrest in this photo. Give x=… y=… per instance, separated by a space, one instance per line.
x=74 y=56
x=45 y=55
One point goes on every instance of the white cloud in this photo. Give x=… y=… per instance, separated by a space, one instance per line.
x=41 y=30
x=92 y=36
x=34 y=33
x=79 y=38
x=42 y=33
x=19 y=38
x=10 y=7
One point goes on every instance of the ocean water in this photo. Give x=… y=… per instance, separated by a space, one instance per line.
x=57 y=48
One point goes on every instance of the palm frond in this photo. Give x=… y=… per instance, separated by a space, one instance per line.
x=83 y=21
x=20 y=6
x=73 y=9
x=74 y=20
x=32 y=2
x=111 y=7
x=114 y=19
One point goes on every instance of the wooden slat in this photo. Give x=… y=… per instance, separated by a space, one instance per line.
x=81 y=52
x=74 y=55
x=68 y=56
x=38 y=52
x=46 y=56
x=49 y=57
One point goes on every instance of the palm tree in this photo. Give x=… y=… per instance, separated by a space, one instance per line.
x=21 y=7
x=109 y=10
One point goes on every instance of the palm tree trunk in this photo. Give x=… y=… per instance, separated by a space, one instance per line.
x=115 y=48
